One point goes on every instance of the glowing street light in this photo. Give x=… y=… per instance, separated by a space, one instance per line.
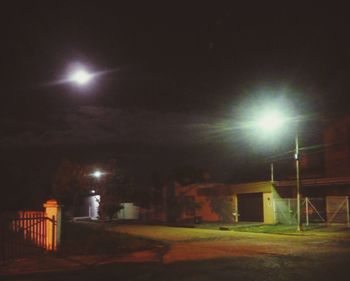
x=97 y=174
x=80 y=77
x=273 y=121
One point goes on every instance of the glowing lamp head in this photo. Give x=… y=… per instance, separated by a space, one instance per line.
x=271 y=121
x=97 y=174
x=81 y=77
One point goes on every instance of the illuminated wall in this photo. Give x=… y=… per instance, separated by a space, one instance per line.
x=92 y=204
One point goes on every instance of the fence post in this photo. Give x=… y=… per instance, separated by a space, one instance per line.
x=54 y=244
x=53 y=224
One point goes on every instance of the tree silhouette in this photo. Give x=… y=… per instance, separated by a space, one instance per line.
x=72 y=181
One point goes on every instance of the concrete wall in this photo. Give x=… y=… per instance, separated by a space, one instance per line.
x=91 y=206
x=129 y=212
x=268 y=206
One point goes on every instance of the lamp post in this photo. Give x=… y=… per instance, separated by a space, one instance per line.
x=97 y=174
x=297 y=169
x=271 y=122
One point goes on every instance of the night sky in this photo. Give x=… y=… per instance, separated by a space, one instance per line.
x=175 y=77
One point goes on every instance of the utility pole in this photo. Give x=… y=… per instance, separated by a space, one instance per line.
x=272 y=172
x=297 y=167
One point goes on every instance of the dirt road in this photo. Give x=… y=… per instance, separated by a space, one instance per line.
x=206 y=255
x=186 y=244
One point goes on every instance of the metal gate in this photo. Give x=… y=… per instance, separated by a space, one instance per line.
x=24 y=234
x=338 y=209
x=311 y=210
x=332 y=209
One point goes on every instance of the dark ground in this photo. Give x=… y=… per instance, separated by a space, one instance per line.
x=238 y=268
x=202 y=254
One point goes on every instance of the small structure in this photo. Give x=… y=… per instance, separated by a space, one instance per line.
x=241 y=202
x=128 y=212
x=91 y=204
x=323 y=200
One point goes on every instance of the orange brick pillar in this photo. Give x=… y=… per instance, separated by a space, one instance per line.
x=53 y=224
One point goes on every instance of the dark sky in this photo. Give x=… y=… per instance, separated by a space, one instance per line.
x=176 y=75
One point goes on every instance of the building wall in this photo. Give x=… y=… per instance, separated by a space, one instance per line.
x=91 y=205
x=267 y=190
x=268 y=205
x=129 y=212
x=337 y=152
x=205 y=210
x=202 y=194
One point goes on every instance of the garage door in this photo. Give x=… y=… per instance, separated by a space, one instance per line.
x=250 y=207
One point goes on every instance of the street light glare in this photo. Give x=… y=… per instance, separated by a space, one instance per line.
x=271 y=121
x=81 y=77
x=97 y=174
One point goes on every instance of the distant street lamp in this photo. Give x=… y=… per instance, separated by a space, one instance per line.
x=81 y=75
x=97 y=174
x=273 y=121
